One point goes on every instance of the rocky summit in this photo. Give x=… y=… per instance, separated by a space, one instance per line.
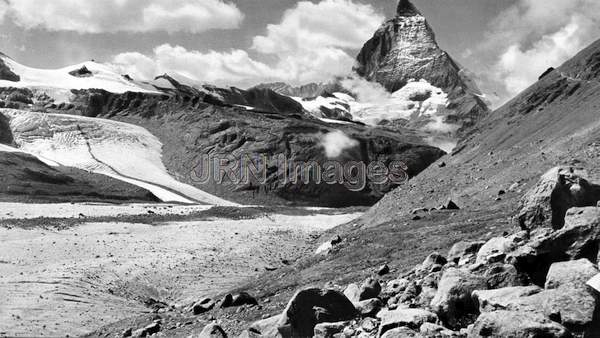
x=404 y=49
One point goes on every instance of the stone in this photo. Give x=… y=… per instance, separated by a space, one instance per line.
x=267 y=327
x=449 y=205
x=203 y=306
x=243 y=298
x=431 y=330
x=401 y=332
x=495 y=246
x=504 y=298
x=463 y=253
x=383 y=270
x=212 y=331
x=559 y=189
x=411 y=318
x=501 y=324
x=352 y=292
x=309 y=307
x=575 y=273
x=328 y=330
x=395 y=286
x=369 y=307
x=369 y=289
x=453 y=301
x=326 y=247
x=433 y=261
x=499 y=275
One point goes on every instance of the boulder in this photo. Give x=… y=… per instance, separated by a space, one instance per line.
x=203 y=306
x=369 y=307
x=309 y=307
x=411 y=318
x=212 y=331
x=369 y=289
x=326 y=247
x=504 y=298
x=571 y=273
x=401 y=332
x=432 y=263
x=449 y=205
x=501 y=324
x=464 y=253
x=431 y=330
x=352 y=292
x=328 y=330
x=453 y=301
x=243 y=298
x=561 y=188
x=266 y=327
x=500 y=275
x=496 y=247
x=394 y=287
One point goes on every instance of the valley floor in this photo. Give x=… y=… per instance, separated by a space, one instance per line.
x=57 y=281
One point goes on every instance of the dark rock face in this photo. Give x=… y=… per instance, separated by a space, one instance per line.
x=81 y=72
x=6 y=73
x=305 y=91
x=24 y=178
x=405 y=48
x=199 y=125
x=6 y=136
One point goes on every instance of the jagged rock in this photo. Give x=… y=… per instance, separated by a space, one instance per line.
x=352 y=292
x=81 y=72
x=432 y=263
x=383 y=270
x=496 y=247
x=203 y=306
x=504 y=298
x=449 y=205
x=574 y=273
x=501 y=324
x=401 y=332
x=148 y=330
x=453 y=300
x=212 y=331
x=267 y=327
x=404 y=48
x=369 y=307
x=464 y=253
x=309 y=307
x=411 y=318
x=561 y=188
x=431 y=330
x=369 y=289
x=328 y=330
x=578 y=238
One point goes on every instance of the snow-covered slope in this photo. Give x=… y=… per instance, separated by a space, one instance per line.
x=418 y=104
x=120 y=150
x=57 y=83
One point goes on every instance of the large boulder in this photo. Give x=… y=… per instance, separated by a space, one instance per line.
x=501 y=324
x=267 y=327
x=328 y=330
x=453 y=302
x=570 y=273
x=463 y=253
x=212 y=331
x=312 y=306
x=561 y=188
x=503 y=298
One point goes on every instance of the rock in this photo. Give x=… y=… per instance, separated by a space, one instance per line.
x=326 y=247
x=369 y=307
x=243 y=298
x=433 y=261
x=573 y=273
x=212 y=331
x=203 y=306
x=352 y=292
x=561 y=188
x=496 y=246
x=309 y=307
x=449 y=205
x=504 y=298
x=81 y=72
x=328 y=330
x=501 y=324
x=227 y=301
x=431 y=330
x=6 y=73
x=369 y=324
x=428 y=287
x=500 y=275
x=369 y=289
x=127 y=333
x=412 y=318
x=453 y=300
x=464 y=253
x=401 y=332
x=594 y=283
x=383 y=270
x=395 y=286
x=147 y=331
x=267 y=327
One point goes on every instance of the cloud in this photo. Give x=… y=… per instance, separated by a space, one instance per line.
x=533 y=35
x=336 y=142
x=309 y=45
x=110 y=16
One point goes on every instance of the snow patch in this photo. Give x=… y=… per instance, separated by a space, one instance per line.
x=336 y=142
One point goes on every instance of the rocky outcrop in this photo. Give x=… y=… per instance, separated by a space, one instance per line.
x=404 y=48
x=5 y=72
x=310 y=90
x=6 y=136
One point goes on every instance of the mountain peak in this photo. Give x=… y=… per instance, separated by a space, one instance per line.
x=406 y=8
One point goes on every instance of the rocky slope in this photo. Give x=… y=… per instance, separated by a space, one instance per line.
x=404 y=49
x=529 y=235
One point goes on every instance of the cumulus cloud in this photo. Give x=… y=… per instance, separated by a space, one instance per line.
x=109 y=16
x=309 y=44
x=533 y=35
x=336 y=142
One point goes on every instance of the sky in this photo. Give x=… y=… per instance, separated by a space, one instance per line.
x=506 y=44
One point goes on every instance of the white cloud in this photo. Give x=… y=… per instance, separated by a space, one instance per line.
x=533 y=35
x=109 y=16
x=309 y=44
x=336 y=142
